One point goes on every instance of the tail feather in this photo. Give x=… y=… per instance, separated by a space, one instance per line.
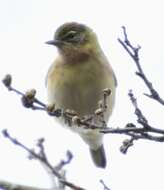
x=98 y=156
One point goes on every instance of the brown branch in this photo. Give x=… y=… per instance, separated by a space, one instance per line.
x=134 y=53
x=132 y=130
x=71 y=185
x=41 y=156
x=32 y=154
x=138 y=112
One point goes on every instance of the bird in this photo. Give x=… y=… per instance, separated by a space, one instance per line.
x=76 y=79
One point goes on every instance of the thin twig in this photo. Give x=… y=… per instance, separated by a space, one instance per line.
x=62 y=163
x=41 y=156
x=104 y=185
x=31 y=153
x=134 y=53
x=5 y=185
x=71 y=185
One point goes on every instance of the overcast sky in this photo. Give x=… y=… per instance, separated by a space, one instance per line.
x=25 y=26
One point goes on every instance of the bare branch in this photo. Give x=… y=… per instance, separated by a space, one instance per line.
x=62 y=163
x=41 y=156
x=71 y=185
x=138 y=112
x=146 y=132
x=104 y=185
x=12 y=186
x=32 y=153
x=134 y=53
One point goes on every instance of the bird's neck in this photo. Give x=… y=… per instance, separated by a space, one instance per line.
x=74 y=57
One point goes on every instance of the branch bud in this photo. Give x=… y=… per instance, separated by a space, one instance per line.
x=107 y=91
x=7 y=80
x=50 y=108
x=76 y=120
x=99 y=111
x=28 y=98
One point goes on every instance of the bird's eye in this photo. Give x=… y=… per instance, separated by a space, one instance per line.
x=70 y=35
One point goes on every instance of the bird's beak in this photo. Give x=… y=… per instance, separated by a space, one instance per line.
x=57 y=43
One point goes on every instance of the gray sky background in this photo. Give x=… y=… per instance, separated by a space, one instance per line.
x=25 y=26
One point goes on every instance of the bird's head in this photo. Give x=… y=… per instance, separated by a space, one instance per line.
x=75 y=39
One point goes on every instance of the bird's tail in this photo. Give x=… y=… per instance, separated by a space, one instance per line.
x=98 y=156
